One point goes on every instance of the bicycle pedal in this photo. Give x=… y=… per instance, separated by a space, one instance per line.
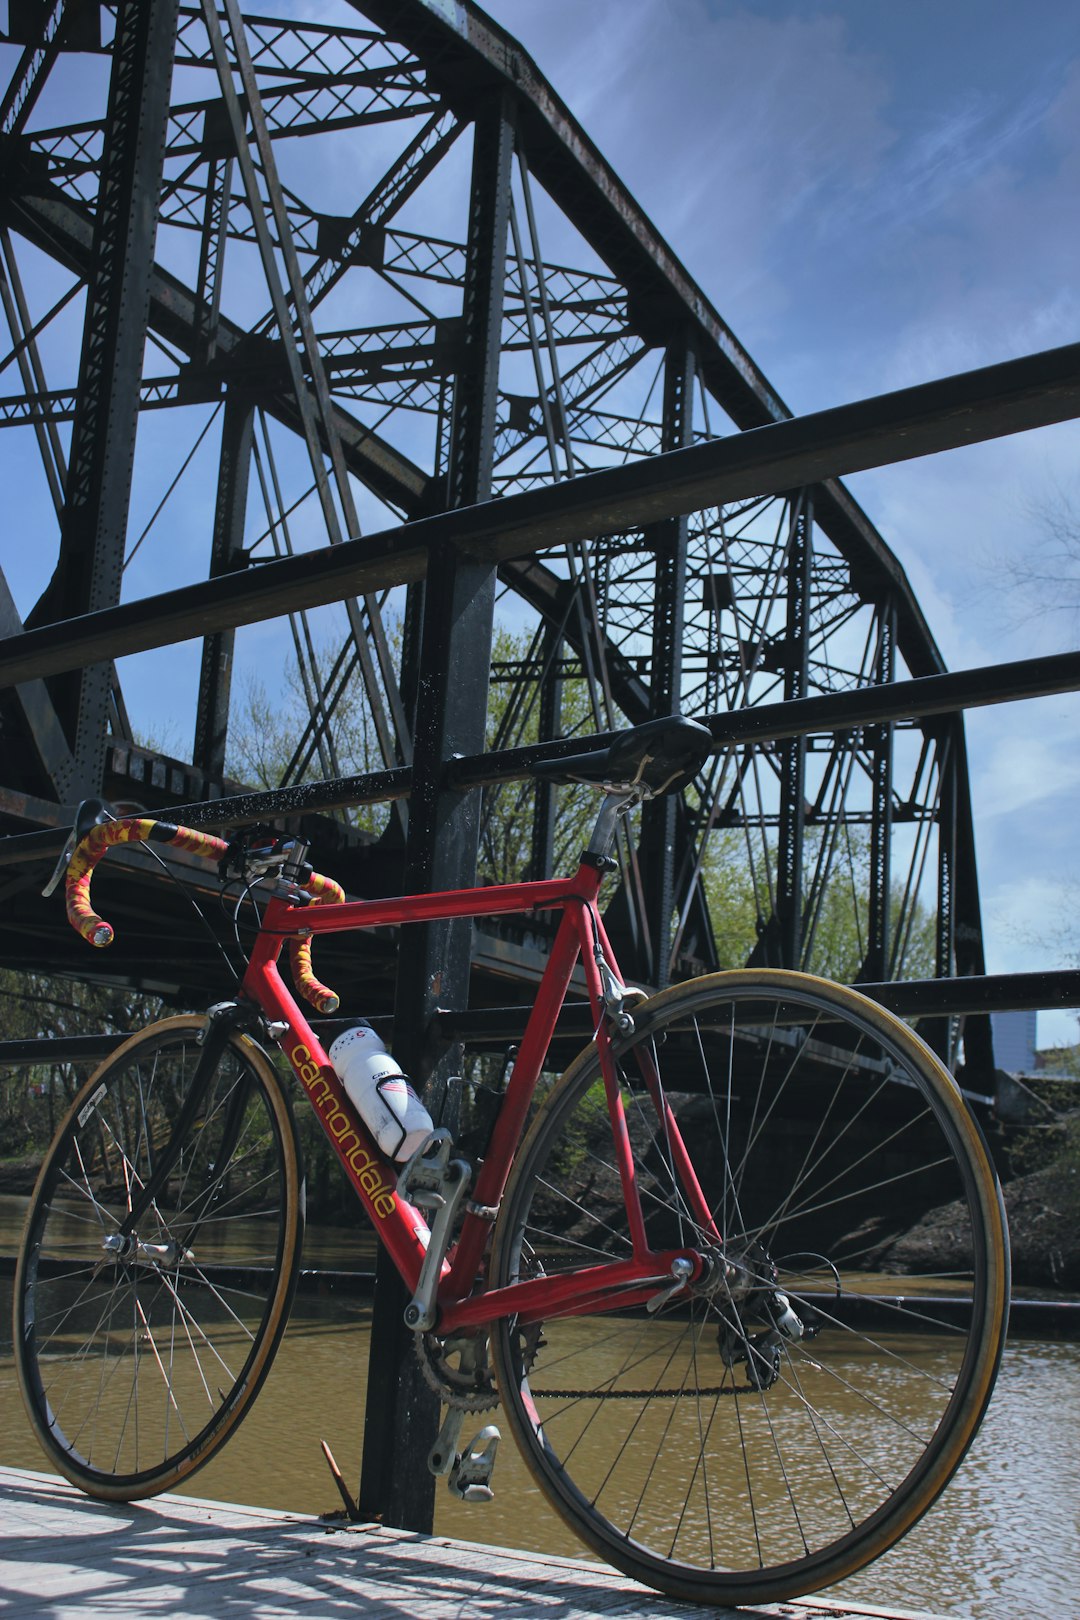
x=470 y=1477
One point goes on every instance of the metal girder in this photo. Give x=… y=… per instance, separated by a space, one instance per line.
x=1059 y=988
x=549 y=726
x=97 y=490
x=964 y=909
x=995 y=400
x=879 y=741
x=780 y=943
x=658 y=853
x=451 y=709
x=226 y=556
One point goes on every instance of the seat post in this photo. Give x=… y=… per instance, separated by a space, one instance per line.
x=617 y=802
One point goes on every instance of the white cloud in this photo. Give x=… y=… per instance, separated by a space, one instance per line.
x=1022 y=769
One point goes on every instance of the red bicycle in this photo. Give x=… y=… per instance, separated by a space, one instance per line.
x=700 y=1280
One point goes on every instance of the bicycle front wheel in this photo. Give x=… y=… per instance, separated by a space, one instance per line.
x=779 y=1423
x=138 y=1353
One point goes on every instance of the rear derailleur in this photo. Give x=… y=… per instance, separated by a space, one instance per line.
x=756 y=1321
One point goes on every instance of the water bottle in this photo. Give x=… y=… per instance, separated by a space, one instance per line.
x=381 y=1093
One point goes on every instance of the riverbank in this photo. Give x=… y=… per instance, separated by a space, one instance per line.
x=1043 y=1209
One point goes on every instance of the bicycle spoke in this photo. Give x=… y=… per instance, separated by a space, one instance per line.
x=794 y=1407
x=130 y=1350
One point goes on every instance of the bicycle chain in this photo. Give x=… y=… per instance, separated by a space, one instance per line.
x=642 y=1394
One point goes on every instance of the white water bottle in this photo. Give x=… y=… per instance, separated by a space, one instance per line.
x=381 y=1093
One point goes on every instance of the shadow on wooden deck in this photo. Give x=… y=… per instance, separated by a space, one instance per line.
x=62 y=1554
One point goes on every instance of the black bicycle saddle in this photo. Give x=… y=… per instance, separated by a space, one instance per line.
x=659 y=755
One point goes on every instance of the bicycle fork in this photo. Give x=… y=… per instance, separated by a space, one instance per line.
x=124 y=1244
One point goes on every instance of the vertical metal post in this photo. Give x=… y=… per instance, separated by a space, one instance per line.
x=550 y=727
x=780 y=945
x=226 y=555
x=970 y=957
x=667 y=541
x=879 y=739
x=939 y=1030
x=789 y=856
x=451 y=709
x=98 y=488
x=220 y=163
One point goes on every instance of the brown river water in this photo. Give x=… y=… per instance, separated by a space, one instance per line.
x=1003 y=1542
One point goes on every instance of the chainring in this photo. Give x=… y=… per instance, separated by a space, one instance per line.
x=458 y=1369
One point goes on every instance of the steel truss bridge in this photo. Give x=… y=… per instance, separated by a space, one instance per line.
x=344 y=345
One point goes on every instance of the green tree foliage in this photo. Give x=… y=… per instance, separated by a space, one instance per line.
x=33 y=1005
x=736 y=878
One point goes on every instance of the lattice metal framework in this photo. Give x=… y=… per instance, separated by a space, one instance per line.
x=385 y=274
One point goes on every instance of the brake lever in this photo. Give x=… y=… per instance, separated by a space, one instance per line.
x=91 y=813
x=60 y=869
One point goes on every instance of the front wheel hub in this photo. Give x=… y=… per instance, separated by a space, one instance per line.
x=127 y=1246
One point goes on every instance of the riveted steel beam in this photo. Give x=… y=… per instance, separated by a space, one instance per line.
x=995 y=400
x=226 y=556
x=879 y=739
x=451 y=708
x=667 y=540
x=98 y=486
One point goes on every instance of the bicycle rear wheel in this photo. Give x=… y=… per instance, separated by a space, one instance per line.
x=137 y=1355
x=777 y=1426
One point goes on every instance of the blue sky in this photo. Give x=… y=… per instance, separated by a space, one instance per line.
x=872 y=194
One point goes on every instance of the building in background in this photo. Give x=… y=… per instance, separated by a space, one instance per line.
x=1014 y=1041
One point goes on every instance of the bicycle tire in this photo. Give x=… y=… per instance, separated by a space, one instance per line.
x=699 y=1448
x=135 y=1367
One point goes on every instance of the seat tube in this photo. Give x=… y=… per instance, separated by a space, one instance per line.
x=624 y=1156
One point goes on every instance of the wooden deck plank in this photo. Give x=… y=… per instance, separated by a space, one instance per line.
x=193 y=1559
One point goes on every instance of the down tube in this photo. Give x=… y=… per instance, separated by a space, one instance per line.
x=397 y=1224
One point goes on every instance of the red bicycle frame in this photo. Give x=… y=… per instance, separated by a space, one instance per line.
x=399 y=1225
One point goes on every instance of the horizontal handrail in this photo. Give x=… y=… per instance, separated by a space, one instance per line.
x=922 y=698
x=910 y=998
